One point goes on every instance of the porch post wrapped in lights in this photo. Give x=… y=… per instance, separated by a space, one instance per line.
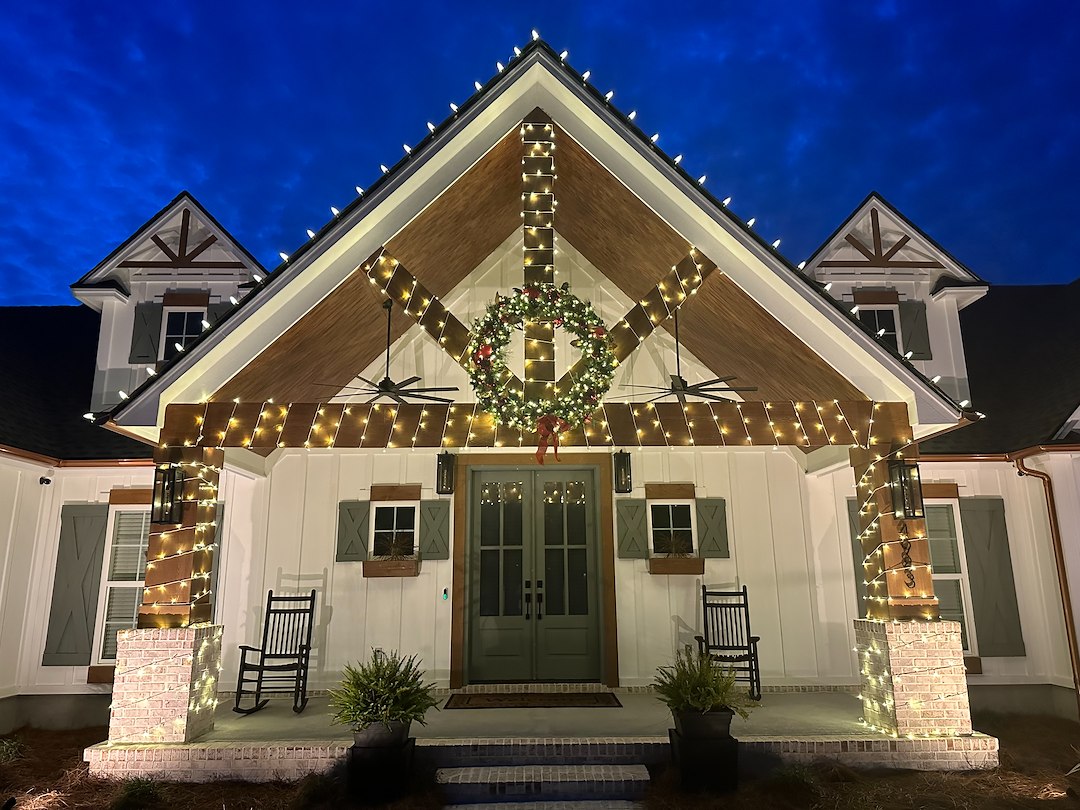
x=911 y=663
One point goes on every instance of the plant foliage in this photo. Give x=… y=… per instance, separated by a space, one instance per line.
x=389 y=687
x=11 y=749
x=696 y=683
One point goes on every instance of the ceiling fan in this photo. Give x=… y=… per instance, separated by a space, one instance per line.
x=399 y=392
x=681 y=389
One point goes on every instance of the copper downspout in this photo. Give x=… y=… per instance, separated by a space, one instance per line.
x=1059 y=559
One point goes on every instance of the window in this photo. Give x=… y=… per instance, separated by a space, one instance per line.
x=885 y=318
x=179 y=326
x=950 y=569
x=394 y=530
x=121 y=578
x=671 y=528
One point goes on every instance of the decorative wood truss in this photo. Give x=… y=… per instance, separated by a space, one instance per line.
x=183 y=258
x=876 y=255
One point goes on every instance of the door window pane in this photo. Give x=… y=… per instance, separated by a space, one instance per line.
x=512 y=577
x=554 y=582
x=575 y=513
x=489 y=582
x=490 y=515
x=553 y=514
x=577 y=585
x=512 y=513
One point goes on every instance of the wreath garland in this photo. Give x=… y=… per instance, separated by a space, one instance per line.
x=491 y=332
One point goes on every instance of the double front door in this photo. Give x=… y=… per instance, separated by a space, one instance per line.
x=533 y=605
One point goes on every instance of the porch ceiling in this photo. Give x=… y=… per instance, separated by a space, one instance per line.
x=266 y=425
x=613 y=228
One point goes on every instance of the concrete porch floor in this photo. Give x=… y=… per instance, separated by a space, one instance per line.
x=785 y=714
x=793 y=727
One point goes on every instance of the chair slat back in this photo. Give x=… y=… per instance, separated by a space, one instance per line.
x=726 y=619
x=288 y=624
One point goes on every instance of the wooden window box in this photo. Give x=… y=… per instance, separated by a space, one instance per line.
x=392 y=568
x=676 y=565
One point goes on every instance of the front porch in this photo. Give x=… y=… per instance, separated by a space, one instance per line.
x=788 y=727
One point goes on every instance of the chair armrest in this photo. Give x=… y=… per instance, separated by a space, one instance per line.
x=246 y=648
x=700 y=644
x=755 y=639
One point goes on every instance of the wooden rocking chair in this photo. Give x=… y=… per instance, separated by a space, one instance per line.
x=280 y=665
x=727 y=639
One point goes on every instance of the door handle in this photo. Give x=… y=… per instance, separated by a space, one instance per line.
x=528 y=605
x=539 y=606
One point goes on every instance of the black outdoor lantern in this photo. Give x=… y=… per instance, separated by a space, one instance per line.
x=444 y=473
x=906 y=488
x=168 y=494
x=623 y=480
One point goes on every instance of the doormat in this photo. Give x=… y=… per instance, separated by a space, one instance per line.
x=534 y=700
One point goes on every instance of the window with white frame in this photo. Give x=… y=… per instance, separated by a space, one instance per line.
x=393 y=529
x=943 y=531
x=122 y=578
x=671 y=528
x=883 y=321
x=179 y=327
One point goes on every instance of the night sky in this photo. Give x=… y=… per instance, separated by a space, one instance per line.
x=965 y=115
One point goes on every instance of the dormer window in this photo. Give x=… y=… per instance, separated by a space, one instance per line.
x=884 y=322
x=179 y=327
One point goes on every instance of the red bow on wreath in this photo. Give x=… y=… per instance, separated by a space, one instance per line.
x=549 y=427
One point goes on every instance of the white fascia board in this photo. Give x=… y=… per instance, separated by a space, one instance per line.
x=323 y=268
x=95 y=297
x=964 y=296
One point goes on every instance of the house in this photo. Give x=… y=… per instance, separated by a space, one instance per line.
x=290 y=430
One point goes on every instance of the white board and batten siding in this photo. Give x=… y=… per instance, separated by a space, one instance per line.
x=30 y=525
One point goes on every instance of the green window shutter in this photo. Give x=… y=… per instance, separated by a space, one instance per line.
x=712 y=527
x=352 y=530
x=990 y=577
x=76 y=585
x=215 y=312
x=145 y=333
x=632 y=529
x=857 y=556
x=913 y=331
x=435 y=530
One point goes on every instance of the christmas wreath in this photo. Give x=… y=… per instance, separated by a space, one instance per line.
x=491 y=333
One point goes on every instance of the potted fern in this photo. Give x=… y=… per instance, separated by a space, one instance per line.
x=703 y=695
x=381 y=698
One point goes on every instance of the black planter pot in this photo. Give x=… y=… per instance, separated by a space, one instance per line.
x=382 y=735
x=707 y=725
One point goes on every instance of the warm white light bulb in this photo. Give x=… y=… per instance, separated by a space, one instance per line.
x=284 y=256
x=334 y=211
x=701 y=181
x=232 y=300
x=257 y=278
x=585 y=76
x=453 y=106
x=310 y=233
x=632 y=115
x=802 y=265
x=655 y=137
x=776 y=244
x=430 y=126
x=407 y=148
x=383 y=167
x=499 y=65
x=677 y=160
x=750 y=222
x=535 y=35
x=964 y=403
x=123 y=394
x=359 y=190
x=88 y=416
x=609 y=95
x=564 y=54
x=478 y=86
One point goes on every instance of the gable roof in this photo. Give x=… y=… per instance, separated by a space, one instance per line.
x=951 y=267
x=41 y=411
x=103 y=274
x=626 y=148
x=1022 y=345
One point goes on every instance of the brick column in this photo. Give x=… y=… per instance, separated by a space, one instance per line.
x=165 y=687
x=914 y=682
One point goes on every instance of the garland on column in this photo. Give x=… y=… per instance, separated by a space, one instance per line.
x=562 y=409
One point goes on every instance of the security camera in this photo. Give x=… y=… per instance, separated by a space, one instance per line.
x=44 y=481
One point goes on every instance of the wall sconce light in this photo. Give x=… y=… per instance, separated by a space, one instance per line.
x=623 y=480
x=168 y=504
x=444 y=473
x=906 y=488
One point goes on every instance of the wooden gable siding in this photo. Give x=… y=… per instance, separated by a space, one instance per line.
x=345 y=331
x=621 y=236
x=721 y=325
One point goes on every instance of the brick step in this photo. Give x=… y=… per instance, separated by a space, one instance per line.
x=596 y=804
x=529 y=783
x=462 y=753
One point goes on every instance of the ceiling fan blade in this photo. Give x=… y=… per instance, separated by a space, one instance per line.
x=668 y=393
x=713 y=397
x=356 y=388
x=403 y=383
x=426 y=398
x=714 y=381
x=648 y=387
x=736 y=388
x=437 y=388
x=374 y=385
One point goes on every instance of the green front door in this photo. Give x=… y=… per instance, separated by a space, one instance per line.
x=533 y=607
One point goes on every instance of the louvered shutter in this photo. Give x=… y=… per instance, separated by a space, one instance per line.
x=913 y=330
x=990 y=577
x=857 y=556
x=145 y=333
x=712 y=529
x=76 y=585
x=435 y=530
x=632 y=529
x=352 y=530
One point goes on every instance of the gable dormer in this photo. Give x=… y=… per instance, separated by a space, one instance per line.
x=156 y=292
x=904 y=288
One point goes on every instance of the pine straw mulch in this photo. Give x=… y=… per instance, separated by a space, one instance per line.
x=1036 y=753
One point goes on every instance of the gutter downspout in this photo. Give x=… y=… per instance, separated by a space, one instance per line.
x=1059 y=559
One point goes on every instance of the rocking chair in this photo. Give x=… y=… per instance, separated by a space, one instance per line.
x=280 y=665
x=727 y=638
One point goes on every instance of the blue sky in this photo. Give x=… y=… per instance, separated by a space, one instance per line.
x=964 y=115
